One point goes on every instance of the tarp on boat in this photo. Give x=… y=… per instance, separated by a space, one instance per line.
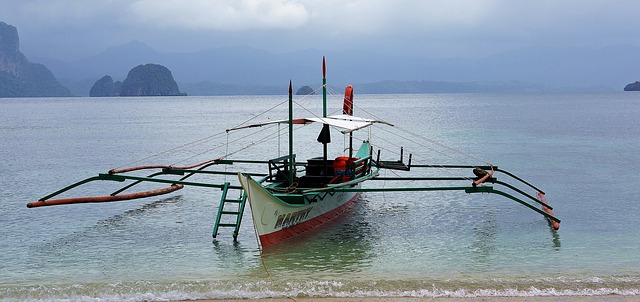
x=346 y=122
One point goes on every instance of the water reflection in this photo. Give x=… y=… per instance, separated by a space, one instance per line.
x=116 y=225
x=556 y=239
x=483 y=248
x=342 y=246
x=234 y=256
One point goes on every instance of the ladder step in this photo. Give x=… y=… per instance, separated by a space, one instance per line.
x=232 y=200
x=227 y=225
x=230 y=212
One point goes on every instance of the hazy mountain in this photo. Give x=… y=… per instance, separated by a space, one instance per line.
x=18 y=76
x=117 y=61
x=236 y=67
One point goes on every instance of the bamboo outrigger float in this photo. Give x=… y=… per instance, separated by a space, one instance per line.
x=285 y=201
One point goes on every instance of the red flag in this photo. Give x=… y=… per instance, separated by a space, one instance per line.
x=347 y=108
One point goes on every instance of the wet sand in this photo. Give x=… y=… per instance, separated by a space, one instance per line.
x=609 y=298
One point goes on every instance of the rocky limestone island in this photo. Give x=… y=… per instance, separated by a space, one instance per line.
x=635 y=86
x=18 y=76
x=305 y=90
x=105 y=87
x=142 y=80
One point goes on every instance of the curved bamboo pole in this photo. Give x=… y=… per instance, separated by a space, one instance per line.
x=108 y=198
x=124 y=170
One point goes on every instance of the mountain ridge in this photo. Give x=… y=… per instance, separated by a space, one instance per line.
x=18 y=76
x=562 y=69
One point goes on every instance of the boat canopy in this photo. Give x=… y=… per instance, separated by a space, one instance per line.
x=346 y=122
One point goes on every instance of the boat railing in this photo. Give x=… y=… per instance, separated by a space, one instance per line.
x=362 y=167
x=279 y=168
x=350 y=183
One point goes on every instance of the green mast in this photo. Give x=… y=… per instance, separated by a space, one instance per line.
x=324 y=88
x=325 y=127
x=291 y=163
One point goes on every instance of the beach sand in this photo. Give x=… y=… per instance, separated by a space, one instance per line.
x=609 y=298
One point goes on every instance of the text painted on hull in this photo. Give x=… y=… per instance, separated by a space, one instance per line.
x=291 y=219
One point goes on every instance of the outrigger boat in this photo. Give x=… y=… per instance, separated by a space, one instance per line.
x=294 y=197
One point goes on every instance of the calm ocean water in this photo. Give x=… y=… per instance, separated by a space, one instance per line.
x=582 y=149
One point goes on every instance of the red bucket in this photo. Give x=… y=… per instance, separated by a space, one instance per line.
x=340 y=163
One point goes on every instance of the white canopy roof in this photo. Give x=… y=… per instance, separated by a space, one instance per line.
x=346 y=122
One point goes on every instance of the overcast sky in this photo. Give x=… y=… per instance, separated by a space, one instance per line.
x=72 y=29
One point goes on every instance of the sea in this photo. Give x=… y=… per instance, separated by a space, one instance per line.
x=581 y=149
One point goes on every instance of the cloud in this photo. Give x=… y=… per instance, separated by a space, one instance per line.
x=222 y=15
x=448 y=28
x=65 y=13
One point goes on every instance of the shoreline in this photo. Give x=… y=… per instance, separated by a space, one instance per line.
x=608 y=298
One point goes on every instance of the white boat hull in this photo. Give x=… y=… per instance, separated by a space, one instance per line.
x=275 y=221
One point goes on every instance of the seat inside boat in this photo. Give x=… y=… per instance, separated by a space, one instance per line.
x=316 y=174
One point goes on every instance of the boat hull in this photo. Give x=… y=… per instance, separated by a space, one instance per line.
x=275 y=220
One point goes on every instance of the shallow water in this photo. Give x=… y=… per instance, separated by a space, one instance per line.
x=580 y=148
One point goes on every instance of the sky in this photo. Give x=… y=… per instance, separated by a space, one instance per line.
x=75 y=29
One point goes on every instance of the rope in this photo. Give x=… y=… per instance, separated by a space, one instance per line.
x=268 y=137
x=447 y=171
x=173 y=166
x=292 y=188
x=484 y=178
x=412 y=137
x=121 y=168
x=261 y=114
x=302 y=104
x=173 y=150
x=432 y=141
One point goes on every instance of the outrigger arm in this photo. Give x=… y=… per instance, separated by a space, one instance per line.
x=546 y=209
x=113 y=175
x=485 y=189
x=175 y=185
x=482 y=176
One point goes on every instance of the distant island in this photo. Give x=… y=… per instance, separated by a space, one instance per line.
x=231 y=76
x=635 y=86
x=305 y=90
x=105 y=87
x=142 y=80
x=18 y=76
